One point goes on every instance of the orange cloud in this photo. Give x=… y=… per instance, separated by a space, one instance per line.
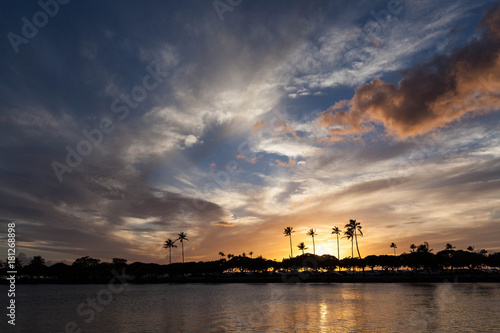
x=212 y=165
x=282 y=128
x=288 y=164
x=429 y=96
x=376 y=42
x=298 y=203
x=255 y=159
x=278 y=126
x=232 y=167
x=258 y=125
x=241 y=157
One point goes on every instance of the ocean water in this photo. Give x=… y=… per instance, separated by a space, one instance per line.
x=435 y=307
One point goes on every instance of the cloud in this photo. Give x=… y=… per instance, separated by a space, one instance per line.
x=255 y=159
x=365 y=44
x=282 y=128
x=429 y=96
x=258 y=125
x=298 y=203
x=285 y=146
x=190 y=140
x=90 y=212
x=277 y=126
x=288 y=164
x=224 y=224
x=224 y=87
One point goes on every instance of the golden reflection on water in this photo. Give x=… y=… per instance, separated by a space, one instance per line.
x=341 y=308
x=323 y=313
x=440 y=307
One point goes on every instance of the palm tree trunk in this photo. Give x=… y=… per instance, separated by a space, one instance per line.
x=352 y=247
x=182 y=252
x=314 y=247
x=352 y=252
x=170 y=250
x=338 y=250
x=291 y=252
x=357 y=247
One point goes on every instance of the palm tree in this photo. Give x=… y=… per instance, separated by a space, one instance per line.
x=413 y=247
x=251 y=254
x=169 y=244
x=393 y=245
x=449 y=247
x=312 y=233
x=355 y=227
x=337 y=231
x=288 y=233
x=470 y=248
x=349 y=234
x=221 y=255
x=424 y=248
x=182 y=238
x=36 y=267
x=230 y=255
x=38 y=261
x=302 y=247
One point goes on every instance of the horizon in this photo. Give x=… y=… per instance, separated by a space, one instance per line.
x=121 y=127
x=24 y=260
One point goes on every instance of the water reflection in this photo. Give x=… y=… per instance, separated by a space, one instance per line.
x=445 y=307
x=323 y=313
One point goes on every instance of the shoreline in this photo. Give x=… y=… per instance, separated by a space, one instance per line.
x=286 y=278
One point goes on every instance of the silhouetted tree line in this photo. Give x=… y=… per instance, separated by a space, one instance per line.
x=424 y=260
x=82 y=269
x=87 y=269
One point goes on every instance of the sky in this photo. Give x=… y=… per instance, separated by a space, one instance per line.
x=125 y=123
